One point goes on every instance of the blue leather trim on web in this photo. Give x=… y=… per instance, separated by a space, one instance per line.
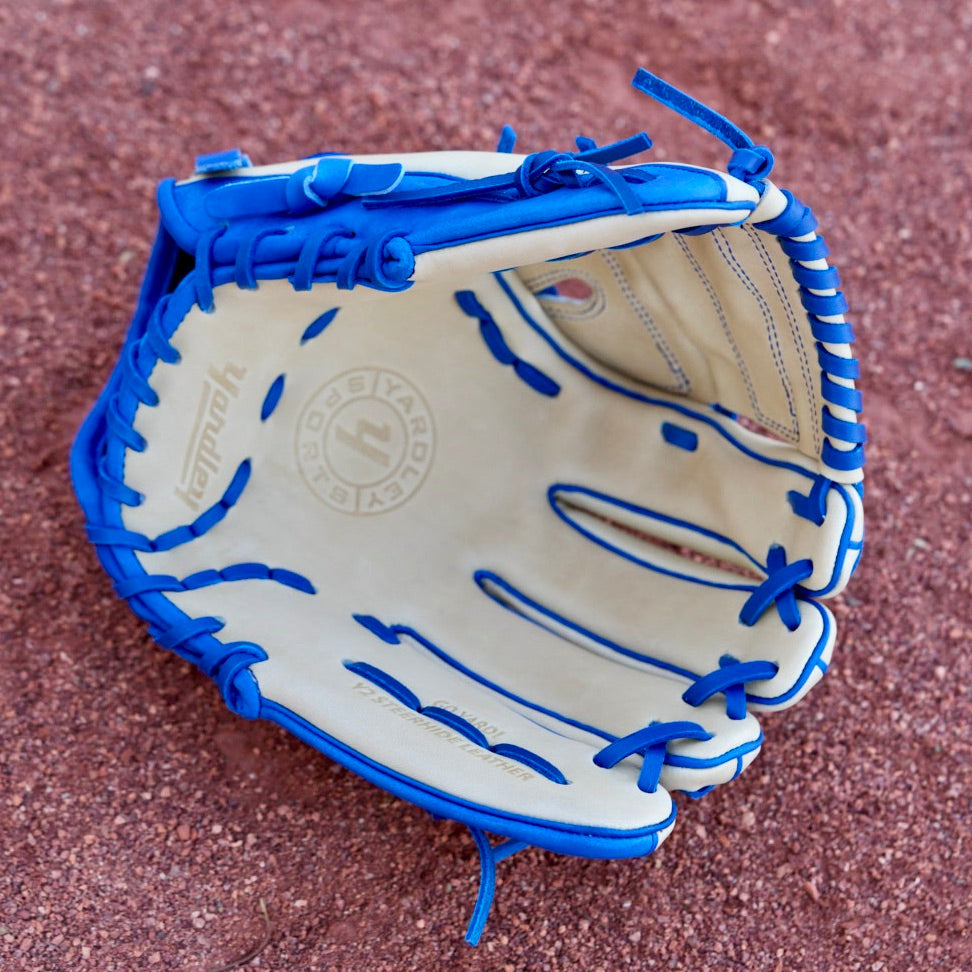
x=483 y=577
x=451 y=720
x=392 y=634
x=701 y=416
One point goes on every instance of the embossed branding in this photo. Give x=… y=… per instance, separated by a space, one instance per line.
x=202 y=460
x=435 y=728
x=365 y=441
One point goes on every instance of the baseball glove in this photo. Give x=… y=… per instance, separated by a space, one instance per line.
x=513 y=483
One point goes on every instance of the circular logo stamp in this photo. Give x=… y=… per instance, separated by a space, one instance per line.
x=365 y=441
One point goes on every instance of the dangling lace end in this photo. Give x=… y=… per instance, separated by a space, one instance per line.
x=507 y=140
x=750 y=162
x=489 y=856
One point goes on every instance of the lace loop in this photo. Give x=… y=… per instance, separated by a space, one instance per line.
x=730 y=678
x=652 y=744
x=779 y=588
x=203 y=272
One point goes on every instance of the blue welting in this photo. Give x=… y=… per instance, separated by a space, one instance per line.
x=387 y=683
x=388 y=635
x=531 y=759
x=507 y=141
x=564 y=838
x=492 y=336
x=841 y=395
x=813 y=506
x=837 y=366
x=651 y=743
x=482 y=576
x=557 y=489
x=272 y=398
x=778 y=589
x=482 y=680
x=694 y=762
x=679 y=437
x=452 y=720
x=221 y=161
x=722 y=410
x=730 y=678
x=854 y=432
x=677 y=408
x=698 y=794
x=318 y=325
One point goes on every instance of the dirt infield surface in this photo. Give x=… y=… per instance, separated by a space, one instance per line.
x=142 y=825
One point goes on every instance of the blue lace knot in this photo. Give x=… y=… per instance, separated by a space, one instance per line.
x=652 y=744
x=729 y=678
x=236 y=682
x=779 y=589
x=751 y=164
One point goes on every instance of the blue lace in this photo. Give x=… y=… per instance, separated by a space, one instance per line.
x=652 y=744
x=540 y=173
x=729 y=678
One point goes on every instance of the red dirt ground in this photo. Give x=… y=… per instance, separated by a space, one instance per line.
x=142 y=823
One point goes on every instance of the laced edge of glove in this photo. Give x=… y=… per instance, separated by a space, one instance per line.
x=386 y=263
